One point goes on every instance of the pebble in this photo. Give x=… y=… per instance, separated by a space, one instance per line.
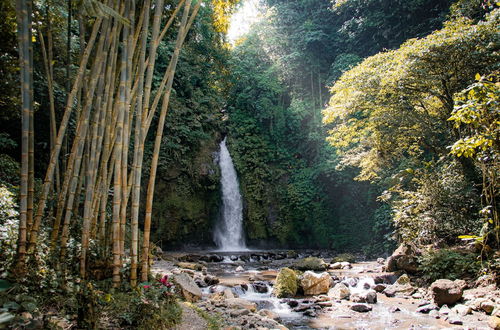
x=425 y=309
x=394 y=309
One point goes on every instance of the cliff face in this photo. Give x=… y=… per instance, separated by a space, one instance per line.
x=187 y=199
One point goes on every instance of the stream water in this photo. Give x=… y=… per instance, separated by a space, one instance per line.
x=255 y=284
x=228 y=235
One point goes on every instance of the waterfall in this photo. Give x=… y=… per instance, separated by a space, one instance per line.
x=229 y=233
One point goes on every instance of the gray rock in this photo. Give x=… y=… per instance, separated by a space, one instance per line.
x=361 y=308
x=425 y=309
x=487 y=306
x=314 y=284
x=462 y=310
x=399 y=290
x=310 y=263
x=394 y=309
x=310 y=313
x=239 y=312
x=369 y=296
x=346 y=265
x=435 y=314
x=444 y=310
x=211 y=280
x=446 y=291
x=260 y=287
x=340 y=291
x=379 y=287
x=269 y=314
x=239 y=303
x=351 y=281
x=455 y=319
x=336 y=265
x=485 y=281
x=188 y=288
x=404 y=258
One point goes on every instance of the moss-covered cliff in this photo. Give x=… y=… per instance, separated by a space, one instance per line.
x=187 y=200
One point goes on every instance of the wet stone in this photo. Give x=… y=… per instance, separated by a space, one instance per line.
x=361 y=308
x=425 y=309
x=394 y=309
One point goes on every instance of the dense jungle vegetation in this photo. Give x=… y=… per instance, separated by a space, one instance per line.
x=381 y=164
x=354 y=125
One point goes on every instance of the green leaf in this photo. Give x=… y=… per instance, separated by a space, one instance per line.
x=29 y=306
x=5 y=285
x=11 y=305
x=6 y=317
x=469 y=237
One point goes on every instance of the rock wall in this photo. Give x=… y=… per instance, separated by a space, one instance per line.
x=187 y=200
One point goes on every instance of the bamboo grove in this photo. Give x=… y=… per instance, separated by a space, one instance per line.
x=94 y=173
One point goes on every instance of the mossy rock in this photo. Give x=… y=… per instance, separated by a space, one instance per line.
x=310 y=263
x=286 y=283
x=344 y=257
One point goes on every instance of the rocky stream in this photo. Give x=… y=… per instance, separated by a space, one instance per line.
x=313 y=290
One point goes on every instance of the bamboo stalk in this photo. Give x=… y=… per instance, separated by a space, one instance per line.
x=159 y=133
x=23 y=32
x=49 y=176
x=81 y=132
x=137 y=162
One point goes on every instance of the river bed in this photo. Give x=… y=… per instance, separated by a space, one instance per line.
x=251 y=277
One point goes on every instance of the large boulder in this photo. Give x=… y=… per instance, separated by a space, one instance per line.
x=190 y=265
x=399 y=290
x=314 y=284
x=339 y=292
x=494 y=322
x=187 y=287
x=286 y=283
x=310 y=263
x=366 y=296
x=446 y=291
x=404 y=258
x=239 y=303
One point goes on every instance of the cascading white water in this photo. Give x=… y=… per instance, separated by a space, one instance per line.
x=229 y=233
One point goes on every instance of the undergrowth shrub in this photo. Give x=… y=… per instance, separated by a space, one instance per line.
x=8 y=226
x=448 y=264
x=152 y=306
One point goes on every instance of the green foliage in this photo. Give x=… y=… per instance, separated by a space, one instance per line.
x=476 y=114
x=443 y=205
x=9 y=227
x=296 y=189
x=343 y=63
x=389 y=117
x=473 y=9
x=371 y=25
x=187 y=191
x=214 y=321
x=9 y=170
x=151 y=306
x=344 y=257
x=448 y=264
